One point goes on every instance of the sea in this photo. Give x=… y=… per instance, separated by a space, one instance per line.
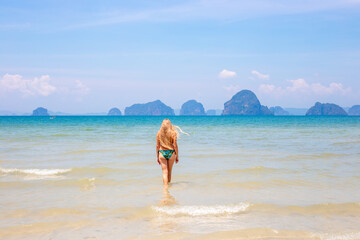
x=238 y=177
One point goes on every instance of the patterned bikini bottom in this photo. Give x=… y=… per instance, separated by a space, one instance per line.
x=167 y=153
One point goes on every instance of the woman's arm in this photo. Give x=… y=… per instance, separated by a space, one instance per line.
x=176 y=150
x=157 y=148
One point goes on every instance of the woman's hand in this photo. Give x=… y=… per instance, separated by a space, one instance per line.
x=158 y=160
x=177 y=159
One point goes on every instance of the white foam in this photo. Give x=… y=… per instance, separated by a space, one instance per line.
x=202 y=210
x=37 y=172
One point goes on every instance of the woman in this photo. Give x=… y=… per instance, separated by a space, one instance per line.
x=166 y=148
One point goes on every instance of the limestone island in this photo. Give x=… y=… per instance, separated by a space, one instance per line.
x=326 y=109
x=245 y=102
x=193 y=108
x=155 y=108
x=354 y=110
x=114 y=112
x=40 y=111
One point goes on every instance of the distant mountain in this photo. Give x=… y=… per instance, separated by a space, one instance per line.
x=322 y=109
x=92 y=114
x=192 y=107
x=7 y=113
x=114 y=112
x=40 y=111
x=11 y=113
x=277 y=110
x=245 y=102
x=155 y=108
x=354 y=110
x=59 y=113
x=219 y=111
x=211 y=112
x=296 y=111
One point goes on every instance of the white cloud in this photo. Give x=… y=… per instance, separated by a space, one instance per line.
x=36 y=86
x=300 y=86
x=227 y=74
x=331 y=89
x=81 y=88
x=260 y=75
x=12 y=82
x=42 y=86
x=267 y=88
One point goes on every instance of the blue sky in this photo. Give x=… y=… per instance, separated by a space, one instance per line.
x=89 y=56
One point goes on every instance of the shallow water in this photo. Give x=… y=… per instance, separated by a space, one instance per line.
x=238 y=178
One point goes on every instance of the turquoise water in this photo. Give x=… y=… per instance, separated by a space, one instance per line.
x=96 y=177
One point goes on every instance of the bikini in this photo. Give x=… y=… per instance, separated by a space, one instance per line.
x=167 y=153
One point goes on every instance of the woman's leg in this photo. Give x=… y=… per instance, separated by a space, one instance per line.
x=170 y=164
x=164 y=167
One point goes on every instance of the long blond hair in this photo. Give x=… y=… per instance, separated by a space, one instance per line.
x=168 y=134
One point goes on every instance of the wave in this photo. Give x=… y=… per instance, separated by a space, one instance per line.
x=57 y=172
x=201 y=210
x=33 y=171
x=335 y=209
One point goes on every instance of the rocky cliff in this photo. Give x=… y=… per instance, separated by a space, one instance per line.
x=245 y=102
x=40 y=111
x=321 y=109
x=156 y=108
x=192 y=107
x=114 y=112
